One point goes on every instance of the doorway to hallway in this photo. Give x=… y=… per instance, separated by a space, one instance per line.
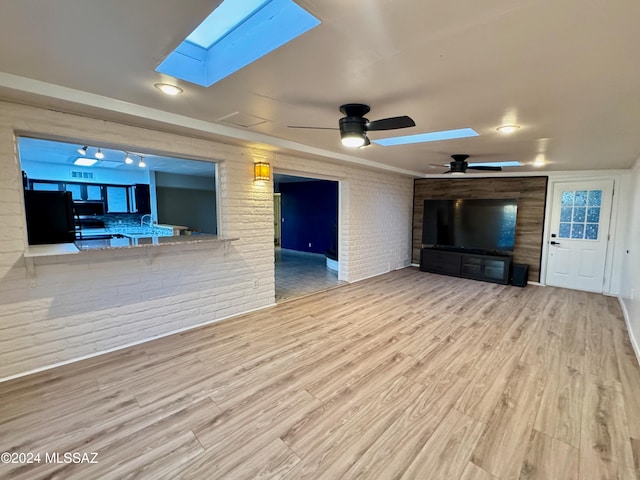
x=305 y=235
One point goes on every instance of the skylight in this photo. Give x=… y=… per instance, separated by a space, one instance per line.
x=512 y=163
x=428 y=137
x=234 y=35
x=85 y=162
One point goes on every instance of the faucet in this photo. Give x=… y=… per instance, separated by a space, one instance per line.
x=150 y=220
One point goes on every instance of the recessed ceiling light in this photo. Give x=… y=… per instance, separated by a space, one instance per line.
x=99 y=155
x=85 y=162
x=506 y=129
x=540 y=160
x=83 y=150
x=168 y=89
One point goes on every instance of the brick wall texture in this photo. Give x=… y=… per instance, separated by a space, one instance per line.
x=60 y=308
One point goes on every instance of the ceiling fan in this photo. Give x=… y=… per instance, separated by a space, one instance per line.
x=354 y=127
x=459 y=165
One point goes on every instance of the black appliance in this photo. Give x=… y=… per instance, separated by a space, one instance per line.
x=485 y=225
x=50 y=217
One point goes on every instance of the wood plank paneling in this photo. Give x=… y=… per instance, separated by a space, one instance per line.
x=531 y=193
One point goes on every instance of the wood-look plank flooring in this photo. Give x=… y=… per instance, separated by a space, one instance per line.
x=408 y=375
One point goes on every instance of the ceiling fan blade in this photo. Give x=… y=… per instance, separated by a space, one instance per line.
x=313 y=128
x=489 y=169
x=391 y=123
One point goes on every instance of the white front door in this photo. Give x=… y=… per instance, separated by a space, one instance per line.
x=578 y=235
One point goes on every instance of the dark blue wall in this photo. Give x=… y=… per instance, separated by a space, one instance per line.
x=310 y=213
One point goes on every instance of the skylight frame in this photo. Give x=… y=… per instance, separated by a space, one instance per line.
x=269 y=26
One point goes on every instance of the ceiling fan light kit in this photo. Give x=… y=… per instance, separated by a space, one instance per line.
x=354 y=126
x=459 y=166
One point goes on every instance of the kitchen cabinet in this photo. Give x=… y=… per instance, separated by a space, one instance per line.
x=142 y=197
x=117 y=199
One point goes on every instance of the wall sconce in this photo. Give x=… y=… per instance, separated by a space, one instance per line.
x=261 y=172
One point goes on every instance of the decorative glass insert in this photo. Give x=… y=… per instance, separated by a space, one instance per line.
x=580 y=214
x=567 y=198
x=593 y=214
x=565 y=214
x=577 y=231
x=595 y=198
x=591 y=233
x=580 y=198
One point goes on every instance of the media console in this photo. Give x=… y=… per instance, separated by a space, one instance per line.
x=489 y=268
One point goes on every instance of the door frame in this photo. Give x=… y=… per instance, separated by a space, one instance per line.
x=342 y=184
x=616 y=232
x=278 y=222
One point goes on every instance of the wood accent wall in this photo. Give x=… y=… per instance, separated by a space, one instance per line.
x=531 y=193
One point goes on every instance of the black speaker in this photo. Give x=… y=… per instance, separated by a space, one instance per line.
x=520 y=275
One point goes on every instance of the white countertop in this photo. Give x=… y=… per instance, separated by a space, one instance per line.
x=51 y=249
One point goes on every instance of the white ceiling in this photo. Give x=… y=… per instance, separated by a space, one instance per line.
x=565 y=70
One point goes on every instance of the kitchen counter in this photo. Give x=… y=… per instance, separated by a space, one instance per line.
x=118 y=243
x=127 y=242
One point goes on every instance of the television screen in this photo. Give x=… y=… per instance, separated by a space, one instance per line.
x=477 y=224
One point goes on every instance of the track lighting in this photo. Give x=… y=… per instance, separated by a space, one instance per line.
x=141 y=163
x=83 y=150
x=99 y=155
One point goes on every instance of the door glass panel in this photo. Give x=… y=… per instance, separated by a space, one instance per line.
x=580 y=214
x=593 y=214
x=94 y=192
x=567 y=198
x=595 y=198
x=76 y=190
x=117 y=200
x=591 y=232
x=577 y=231
x=565 y=214
x=52 y=187
x=580 y=198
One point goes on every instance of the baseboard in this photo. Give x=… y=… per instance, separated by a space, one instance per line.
x=627 y=321
x=132 y=344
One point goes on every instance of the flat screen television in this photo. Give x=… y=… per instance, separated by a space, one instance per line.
x=487 y=225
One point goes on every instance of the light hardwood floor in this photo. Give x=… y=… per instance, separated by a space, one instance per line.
x=407 y=375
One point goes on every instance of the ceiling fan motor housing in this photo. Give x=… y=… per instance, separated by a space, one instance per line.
x=458 y=166
x=353 y=125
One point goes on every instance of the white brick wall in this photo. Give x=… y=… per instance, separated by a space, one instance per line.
x=57 y=309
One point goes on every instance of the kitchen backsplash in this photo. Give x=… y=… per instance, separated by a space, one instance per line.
x=130 y=223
